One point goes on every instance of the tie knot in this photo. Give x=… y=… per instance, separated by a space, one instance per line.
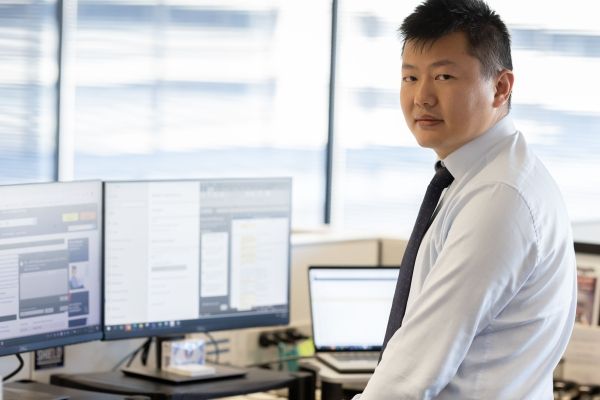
x=442 y=178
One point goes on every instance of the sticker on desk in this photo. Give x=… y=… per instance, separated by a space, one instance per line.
x=54 y=357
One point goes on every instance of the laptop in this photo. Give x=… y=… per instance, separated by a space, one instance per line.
x=350 y=307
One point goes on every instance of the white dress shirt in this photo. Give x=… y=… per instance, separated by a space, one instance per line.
x=492 y=301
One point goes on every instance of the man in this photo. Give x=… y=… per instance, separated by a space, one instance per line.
x=74 y=281
x=492 y=297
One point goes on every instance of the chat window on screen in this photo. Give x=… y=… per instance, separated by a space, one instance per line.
x=43 y=281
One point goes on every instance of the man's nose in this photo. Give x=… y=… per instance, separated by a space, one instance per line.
x=425 y=94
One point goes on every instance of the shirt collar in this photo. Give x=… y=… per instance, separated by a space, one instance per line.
x=460 y=161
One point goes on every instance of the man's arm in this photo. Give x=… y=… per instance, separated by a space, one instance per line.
x=489 y=252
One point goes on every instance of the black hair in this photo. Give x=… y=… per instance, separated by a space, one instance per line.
x=487 y=35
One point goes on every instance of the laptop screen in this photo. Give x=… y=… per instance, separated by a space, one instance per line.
x=350 y=306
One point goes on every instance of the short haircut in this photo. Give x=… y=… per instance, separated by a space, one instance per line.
x=487 y=36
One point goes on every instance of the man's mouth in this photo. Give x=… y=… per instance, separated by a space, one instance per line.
x=428 y=120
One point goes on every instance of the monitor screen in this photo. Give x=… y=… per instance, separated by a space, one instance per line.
x=50 y=259
x=340 y=296
x=193 y=256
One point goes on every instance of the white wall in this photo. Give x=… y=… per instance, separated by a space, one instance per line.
x=392 y=250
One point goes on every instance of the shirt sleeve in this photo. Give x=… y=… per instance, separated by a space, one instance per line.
x=489 y=251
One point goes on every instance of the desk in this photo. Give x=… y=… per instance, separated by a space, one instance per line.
x=332 y=381
x=61 y=391
x=300 y=385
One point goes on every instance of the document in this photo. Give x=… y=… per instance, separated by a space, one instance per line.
x=259 y=262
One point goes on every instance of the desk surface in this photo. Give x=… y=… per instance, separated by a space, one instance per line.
x=73 y=394
x=256 y=380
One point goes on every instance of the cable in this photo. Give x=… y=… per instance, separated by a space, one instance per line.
x=131 y=355
x=16 y=371
x=121 y=361
x=215 y=346
x=146 y=350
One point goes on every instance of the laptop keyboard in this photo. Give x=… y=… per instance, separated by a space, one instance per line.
x=356 y=356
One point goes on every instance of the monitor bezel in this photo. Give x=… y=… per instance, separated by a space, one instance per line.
x=198 y=325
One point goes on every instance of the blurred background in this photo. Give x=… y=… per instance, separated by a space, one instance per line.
x=134 y=89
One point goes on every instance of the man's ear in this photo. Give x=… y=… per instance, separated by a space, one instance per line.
x=503 y=88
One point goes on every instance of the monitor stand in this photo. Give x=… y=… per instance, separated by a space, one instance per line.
x=159 y=374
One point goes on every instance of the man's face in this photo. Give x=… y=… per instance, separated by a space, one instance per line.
x=445 y=99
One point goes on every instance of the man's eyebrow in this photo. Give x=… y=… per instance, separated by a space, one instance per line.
x=439 y=63
x=442 y=63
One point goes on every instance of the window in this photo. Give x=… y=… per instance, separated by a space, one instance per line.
x=176 y=89
x=556 y=55
x=382 y=174
x=28 y=77
x=237 y=88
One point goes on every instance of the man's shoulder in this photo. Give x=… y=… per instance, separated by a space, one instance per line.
x=514 y=164
x=516 y=172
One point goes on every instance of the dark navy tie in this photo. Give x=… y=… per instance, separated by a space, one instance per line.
x=441 y=180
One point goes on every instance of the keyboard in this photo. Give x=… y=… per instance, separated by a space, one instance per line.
x=351 y=361
x=356 y=356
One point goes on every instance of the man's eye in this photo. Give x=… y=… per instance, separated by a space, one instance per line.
x=443 y=77
x=408 y=79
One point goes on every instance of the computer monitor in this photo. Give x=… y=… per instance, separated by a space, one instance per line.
x=50 y=265
x=196 y=255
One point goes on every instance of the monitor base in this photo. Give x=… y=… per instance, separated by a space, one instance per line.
x=221 y=372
